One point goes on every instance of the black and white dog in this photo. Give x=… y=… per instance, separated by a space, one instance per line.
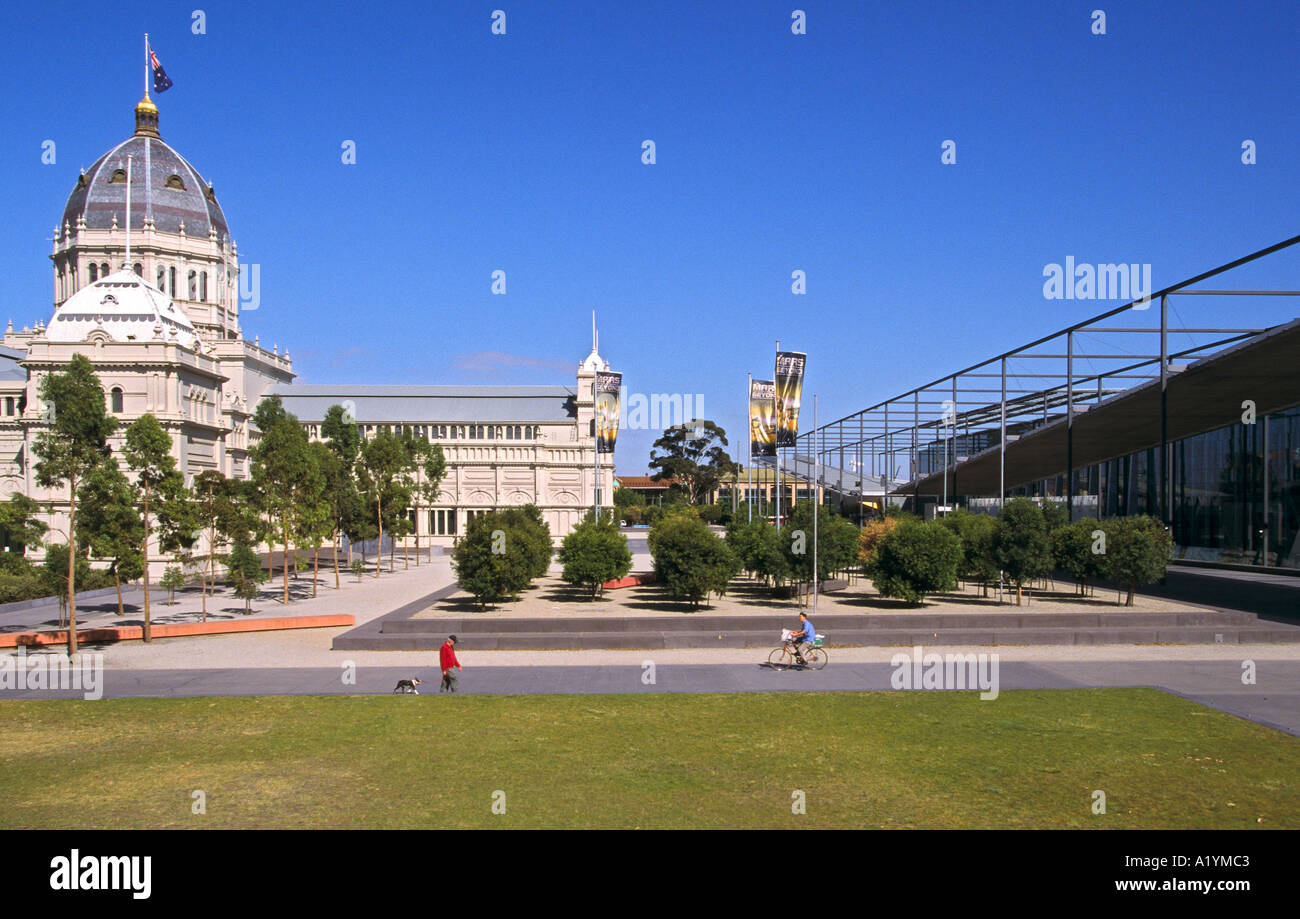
x=407 y=686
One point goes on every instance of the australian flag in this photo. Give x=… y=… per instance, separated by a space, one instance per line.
x=161 y=82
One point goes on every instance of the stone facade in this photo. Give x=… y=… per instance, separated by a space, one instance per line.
x=158 y=315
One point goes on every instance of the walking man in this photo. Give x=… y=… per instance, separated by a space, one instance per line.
x=450 y=665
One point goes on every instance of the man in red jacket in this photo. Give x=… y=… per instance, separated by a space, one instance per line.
x=450 y=665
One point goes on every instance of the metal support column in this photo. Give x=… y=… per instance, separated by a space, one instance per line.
x=1069 y=426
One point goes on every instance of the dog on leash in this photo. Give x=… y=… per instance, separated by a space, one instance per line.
x=407 y=686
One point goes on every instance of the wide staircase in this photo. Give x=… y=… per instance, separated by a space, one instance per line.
x=1008 y=626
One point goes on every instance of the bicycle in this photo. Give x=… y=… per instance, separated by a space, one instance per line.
x=814 y=656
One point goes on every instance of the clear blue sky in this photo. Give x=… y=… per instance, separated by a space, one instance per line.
x=775 y=152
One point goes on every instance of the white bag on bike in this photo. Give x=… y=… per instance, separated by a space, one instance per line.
x=786 y=634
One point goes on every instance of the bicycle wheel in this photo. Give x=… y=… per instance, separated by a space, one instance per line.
x=816 y=658
x=779 y=659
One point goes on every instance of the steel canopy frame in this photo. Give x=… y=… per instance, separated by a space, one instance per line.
x=942 y=416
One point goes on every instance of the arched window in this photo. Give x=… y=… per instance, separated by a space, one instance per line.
x=203 y=286
x=103 y=269
x=194 y=284
x=94 y=273
x=139 y=270
x=162 y=279
x=115 y=398
x=171 y=281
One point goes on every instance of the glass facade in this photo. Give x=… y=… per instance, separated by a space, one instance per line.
x=1224 y=505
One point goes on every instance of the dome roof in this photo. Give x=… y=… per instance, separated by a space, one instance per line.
x=163 y=186
x=126 y=307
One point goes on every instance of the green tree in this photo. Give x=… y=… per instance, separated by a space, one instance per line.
x=74 y=443
x=172 y=578
x=111 y=524
x=1076 y=551
x=19 y=528
x=346 y=505
x=280 y=462
x=976 y=532
x=428 y=468
x=1021 y=544
x=380 y=469
x=216 y=510
x=1138 y=550
x=595 y=552
x=490 y=562
x=530 y=537
x=837 y=543
x=690 y=560
x=692 y=456
x=148 y=456
x=626 y=497
x=244 y=572
x=915 y=559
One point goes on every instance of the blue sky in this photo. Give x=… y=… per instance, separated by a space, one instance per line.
x=775 y=152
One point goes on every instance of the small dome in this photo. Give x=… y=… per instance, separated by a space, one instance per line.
x=594 y=362
x=126 y=308
x=163 y=186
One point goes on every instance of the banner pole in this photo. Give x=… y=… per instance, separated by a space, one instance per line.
x=776 y=438
x=749 y=466
x=146 y=64
x=817 y=503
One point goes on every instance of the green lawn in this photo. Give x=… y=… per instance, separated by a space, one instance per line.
x=919 y=759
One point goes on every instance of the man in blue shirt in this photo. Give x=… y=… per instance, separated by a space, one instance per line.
x=807 y=634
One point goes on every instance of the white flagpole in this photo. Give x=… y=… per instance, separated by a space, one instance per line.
x=776 y=438
x=146 y=65
x=127 y=266
x=749 y=470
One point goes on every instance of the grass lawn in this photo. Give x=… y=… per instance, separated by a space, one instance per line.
x=918 y=759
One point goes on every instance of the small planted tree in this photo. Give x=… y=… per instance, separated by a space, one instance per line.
x=111 y=524
x=1021 y=544
x=74 y=444
x=915 y=559
x=1078 y=549
x=358 y=568
x=490 y=561
x=244 y=572
x=870 y=536
x=1138 y=550
x=976 y=531
x=595 y=552
x=690 y=560
x=172 y=578
x=148 y=456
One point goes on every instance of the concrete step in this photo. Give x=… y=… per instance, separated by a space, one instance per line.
x=767 y=638
x=825 y=623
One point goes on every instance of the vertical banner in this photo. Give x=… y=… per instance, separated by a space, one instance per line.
x=762 y=418
x=607 y=387
x=789 y=389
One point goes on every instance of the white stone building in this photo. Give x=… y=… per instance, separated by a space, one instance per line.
x=161 y=325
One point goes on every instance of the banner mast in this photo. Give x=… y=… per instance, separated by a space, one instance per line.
x=776 y=440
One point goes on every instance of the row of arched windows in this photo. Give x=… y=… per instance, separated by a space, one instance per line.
x=196 y=283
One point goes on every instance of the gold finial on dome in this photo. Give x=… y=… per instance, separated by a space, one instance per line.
x=146 y=117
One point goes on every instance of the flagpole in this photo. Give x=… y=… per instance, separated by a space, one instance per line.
x=127 y=266
x=146 y=65
x=776 y=405
x=749 y=471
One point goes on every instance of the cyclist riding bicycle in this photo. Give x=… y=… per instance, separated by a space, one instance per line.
x=807 y=633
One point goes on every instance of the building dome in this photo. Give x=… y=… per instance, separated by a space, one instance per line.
x=126 y=308
x=164 y=187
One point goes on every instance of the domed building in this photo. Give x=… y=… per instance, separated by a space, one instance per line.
x=156 y=311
